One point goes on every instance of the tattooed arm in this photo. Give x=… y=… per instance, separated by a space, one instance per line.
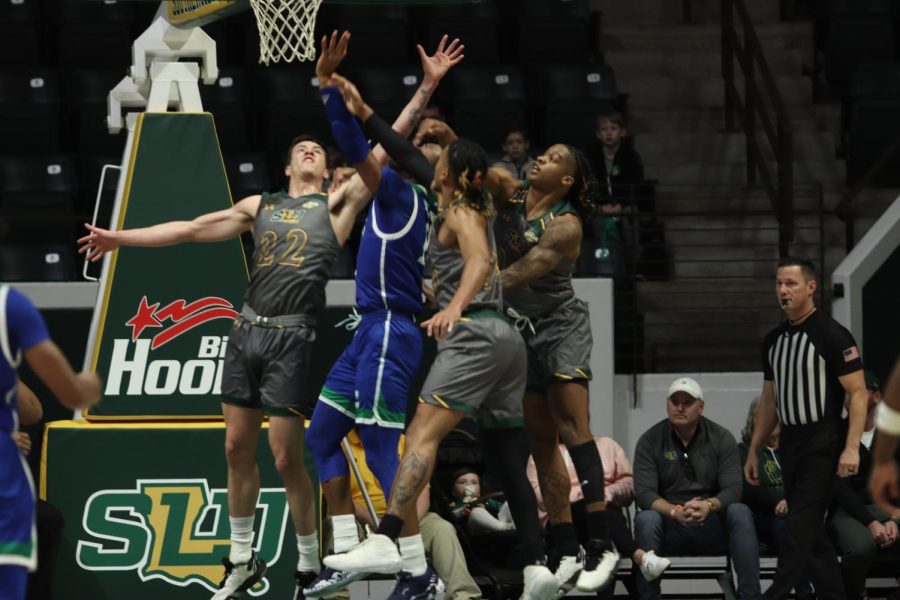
x=560 y=241
x=434 y=68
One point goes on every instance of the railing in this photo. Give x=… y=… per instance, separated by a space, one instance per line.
x=749 y=56
x=697 y=294
x=846 y=209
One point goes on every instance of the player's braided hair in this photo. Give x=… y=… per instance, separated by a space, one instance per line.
x=585 y=191
x=467 y=162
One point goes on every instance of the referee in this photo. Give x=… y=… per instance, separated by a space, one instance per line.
x=809 y=362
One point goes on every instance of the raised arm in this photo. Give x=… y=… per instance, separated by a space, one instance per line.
x=561 y=240
x=501 y=184
x=211 y=227
x=434 y=68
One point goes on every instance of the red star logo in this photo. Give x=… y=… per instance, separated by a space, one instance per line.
x=143 y=318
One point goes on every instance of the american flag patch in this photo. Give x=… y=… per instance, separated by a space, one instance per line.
x=851 y=353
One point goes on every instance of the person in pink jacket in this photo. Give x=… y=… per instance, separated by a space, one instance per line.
x=619 y=489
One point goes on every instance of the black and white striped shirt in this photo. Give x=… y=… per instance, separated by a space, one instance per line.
x=804 y=363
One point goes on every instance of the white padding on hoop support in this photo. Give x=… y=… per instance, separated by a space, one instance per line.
x=286 y=29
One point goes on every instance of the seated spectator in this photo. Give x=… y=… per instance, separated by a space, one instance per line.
x=766 y=500
x=619 y=491
x=515 y=152
x=441 y=544
x=687 y=479
x=859 y=529
x=481 y=514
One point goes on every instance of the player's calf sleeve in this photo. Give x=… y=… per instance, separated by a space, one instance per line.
x=589 y=468
x=346 y=129
x=505 y=463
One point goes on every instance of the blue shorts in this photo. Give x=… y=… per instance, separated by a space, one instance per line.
x=17 y=501
x=370 y=381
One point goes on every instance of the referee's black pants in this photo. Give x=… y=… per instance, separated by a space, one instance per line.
x=809 y=463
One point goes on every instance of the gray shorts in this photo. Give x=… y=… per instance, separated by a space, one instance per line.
x=480 y=370
x=559 y=350
x=268 y=368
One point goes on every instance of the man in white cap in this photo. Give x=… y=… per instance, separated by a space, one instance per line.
x=687 y=478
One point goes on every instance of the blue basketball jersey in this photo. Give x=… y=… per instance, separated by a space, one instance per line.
x=391 y=256
x=21 y=327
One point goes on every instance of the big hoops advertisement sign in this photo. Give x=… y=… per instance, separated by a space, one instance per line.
x=163 y=315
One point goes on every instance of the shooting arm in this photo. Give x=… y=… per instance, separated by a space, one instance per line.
x=561 y=239
x=400 y=149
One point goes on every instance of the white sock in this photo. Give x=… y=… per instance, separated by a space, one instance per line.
x=346 y=535
x=241 y=539
x=412 y=555
x=308 y=548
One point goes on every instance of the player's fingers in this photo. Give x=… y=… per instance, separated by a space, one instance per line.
x=422 y=54
x=344 y=42
x=441 y=44
x=452 y=45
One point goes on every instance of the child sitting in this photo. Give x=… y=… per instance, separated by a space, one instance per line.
x=480 y=514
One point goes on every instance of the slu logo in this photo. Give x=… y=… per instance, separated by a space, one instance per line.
x=173 y=529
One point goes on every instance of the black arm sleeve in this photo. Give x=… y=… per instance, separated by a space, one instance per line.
x=400 y=150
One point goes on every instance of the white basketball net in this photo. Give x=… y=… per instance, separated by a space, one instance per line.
x=286 y=29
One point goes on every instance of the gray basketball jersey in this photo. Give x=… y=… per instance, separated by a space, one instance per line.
x=516 y=237
x=295 y=248
x=447 y=267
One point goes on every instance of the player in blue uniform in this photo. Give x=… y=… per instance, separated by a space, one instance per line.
x=368 y=386
x=23 y=333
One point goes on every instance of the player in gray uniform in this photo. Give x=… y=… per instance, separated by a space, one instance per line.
x=297 y=238
x=539 y=238
x=479 y=370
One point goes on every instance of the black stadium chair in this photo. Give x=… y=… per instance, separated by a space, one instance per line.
x=568 y=98
x=85 y=93
x=30 y=262
x=29 y=111
x=380 y=34
x=483 y=100
x=478 y=34
x=288 y=104
x=247 y=175
x=386 y=89
x=226 y=100
x=37 y=198
x=19 y=40
x=553 y=40
x=854 y=37
x=874 y=126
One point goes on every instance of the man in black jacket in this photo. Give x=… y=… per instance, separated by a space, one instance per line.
x=687 y=478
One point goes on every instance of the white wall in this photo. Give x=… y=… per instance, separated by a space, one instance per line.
x=726 y=399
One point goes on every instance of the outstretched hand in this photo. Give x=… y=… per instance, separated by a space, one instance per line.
x=437 y=65
x=352 y=98
x=97 y=243
x=434 y=130
x=333 y=51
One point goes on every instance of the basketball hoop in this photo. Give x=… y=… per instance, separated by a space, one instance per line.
x=286 y=29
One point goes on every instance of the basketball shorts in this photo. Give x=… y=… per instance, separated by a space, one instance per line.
x=268 y=368
x=480 y=370
x=18 y=535
x=370 y=381
x=559 y=350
